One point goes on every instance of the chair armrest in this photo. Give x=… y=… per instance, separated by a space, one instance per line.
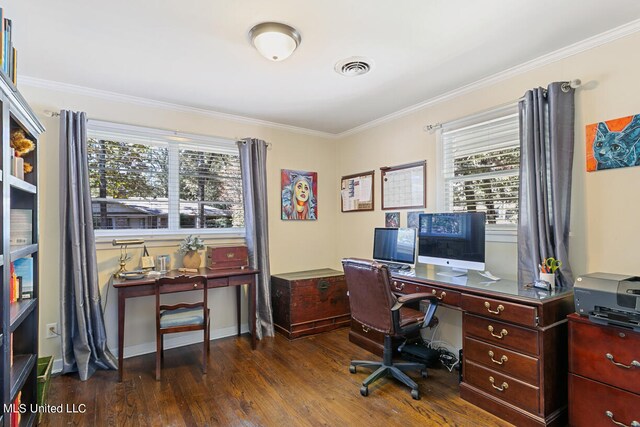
x=411 y=298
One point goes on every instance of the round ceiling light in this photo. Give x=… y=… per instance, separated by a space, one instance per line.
x=275 y=41
x=354 y=66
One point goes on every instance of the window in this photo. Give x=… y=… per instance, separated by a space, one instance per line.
x=161 y=181
x=481 y=163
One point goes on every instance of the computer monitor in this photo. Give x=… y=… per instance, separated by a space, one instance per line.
x=395 y=247
x=452 y=239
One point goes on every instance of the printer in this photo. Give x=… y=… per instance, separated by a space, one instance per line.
x=609 y=299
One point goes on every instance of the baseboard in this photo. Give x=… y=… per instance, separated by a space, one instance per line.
x=170 y=342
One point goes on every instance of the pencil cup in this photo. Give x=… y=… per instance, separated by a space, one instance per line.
x=550 y=278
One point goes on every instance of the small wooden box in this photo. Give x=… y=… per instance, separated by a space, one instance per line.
x=226 y=257
x=309 y=302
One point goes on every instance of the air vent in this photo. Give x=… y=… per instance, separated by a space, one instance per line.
x=354 y=66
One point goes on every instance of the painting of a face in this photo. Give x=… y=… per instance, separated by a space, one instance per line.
x=613 y=144
x=302 y=191
x=299 y=195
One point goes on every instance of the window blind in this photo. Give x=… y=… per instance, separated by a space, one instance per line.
x=481 y=164
x=143 y=178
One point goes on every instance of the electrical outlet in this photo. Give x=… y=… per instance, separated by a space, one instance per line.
x=52 y=330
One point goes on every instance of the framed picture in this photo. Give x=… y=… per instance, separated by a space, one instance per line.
x=392 y=219
x=613 y=144
x=413 y=219
x=299 y=190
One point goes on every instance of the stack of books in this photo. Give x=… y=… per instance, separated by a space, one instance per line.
x=9 y=57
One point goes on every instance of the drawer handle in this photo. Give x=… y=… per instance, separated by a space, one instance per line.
x=443 y=294
x=503 y=333
x=195 y=286
x=618 y=423
x=365 y=329
x=497 y=311
x=503 y=387
x=398 y=288
x=634 y=363
x=503 y=359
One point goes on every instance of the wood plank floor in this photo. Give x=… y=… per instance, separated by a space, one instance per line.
x=283 y=383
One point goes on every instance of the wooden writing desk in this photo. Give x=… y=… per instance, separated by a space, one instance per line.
x=216 y=279
x=514 y=342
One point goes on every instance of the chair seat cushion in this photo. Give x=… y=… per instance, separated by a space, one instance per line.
x=181 y=317
x=410 y=316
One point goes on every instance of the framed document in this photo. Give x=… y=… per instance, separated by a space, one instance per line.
x=404 y=186
x=356 y=192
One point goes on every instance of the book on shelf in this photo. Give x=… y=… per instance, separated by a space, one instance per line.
x=21 y=221
x=24 y=276
x=2 y=38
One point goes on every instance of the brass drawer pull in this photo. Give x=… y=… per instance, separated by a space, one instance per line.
x=398 y=288
x=503 y=387
x=618 y=423
x=497 y=311
x=443 y=294
x=503 y=359
x=503 y=333
x=634 y=363
x=365 y=329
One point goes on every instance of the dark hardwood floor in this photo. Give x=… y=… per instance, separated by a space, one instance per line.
x=283 y=383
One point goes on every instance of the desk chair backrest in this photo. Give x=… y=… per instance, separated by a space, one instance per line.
x=370 y=294
x=181 y=283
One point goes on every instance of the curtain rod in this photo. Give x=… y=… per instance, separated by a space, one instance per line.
x=49 y=113
x=565 y=87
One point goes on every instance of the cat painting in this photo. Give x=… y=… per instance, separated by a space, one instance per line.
x=613 y=144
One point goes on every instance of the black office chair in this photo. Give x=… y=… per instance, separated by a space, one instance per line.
x=376 y=307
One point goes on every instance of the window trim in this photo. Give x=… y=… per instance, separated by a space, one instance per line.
x=144 y=135
x=494 y=232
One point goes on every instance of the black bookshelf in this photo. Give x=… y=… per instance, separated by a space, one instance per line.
x=19 y=332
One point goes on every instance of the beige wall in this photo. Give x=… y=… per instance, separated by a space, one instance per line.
x=293 y=245
x=605 y=205
x=604 y=231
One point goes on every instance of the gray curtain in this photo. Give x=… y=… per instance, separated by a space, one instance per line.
x=253 y=162
x=84 y=339
x=546 y=160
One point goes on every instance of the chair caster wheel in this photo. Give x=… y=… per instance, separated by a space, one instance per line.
x=364 y=390
x=414 y=393
x=352 y=369
x=423 y=373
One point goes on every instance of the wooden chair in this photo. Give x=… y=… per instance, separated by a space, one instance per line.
x=181 y=317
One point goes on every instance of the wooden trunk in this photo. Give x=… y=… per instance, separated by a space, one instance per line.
x=226 y=257
x=309 y=302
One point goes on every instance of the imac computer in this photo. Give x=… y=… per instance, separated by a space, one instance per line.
x=453 y=240
x=395 y=247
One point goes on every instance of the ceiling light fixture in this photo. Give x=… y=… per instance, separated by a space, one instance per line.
x=275 y=41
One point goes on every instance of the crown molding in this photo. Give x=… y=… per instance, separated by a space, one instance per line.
x=565 y=52
x=146 y=102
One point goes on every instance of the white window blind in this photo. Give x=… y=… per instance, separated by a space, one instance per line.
x=480 y=168
x=150 y=179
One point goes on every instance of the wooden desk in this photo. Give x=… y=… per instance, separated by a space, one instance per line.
x=512 y=334
x=216 y=279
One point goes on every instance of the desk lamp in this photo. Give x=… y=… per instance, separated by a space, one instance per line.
x=124 y=257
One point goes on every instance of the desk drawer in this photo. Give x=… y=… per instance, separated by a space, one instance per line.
x=180 y=287
x=502 y=334
x=218 y=283
x=502 y=360
x=593 y=349
x=596 y=404
x=503 y=387
x=240 y=280
x=446 y=296
x=497 y=309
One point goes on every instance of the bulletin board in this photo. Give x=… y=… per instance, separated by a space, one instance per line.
x=404 y=186
x=356 y=192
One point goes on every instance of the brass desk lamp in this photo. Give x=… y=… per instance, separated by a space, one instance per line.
x=124 y=257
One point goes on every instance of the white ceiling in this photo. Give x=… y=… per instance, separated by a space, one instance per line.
x=197 y=53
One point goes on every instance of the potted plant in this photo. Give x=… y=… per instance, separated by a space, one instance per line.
x=190 y=247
